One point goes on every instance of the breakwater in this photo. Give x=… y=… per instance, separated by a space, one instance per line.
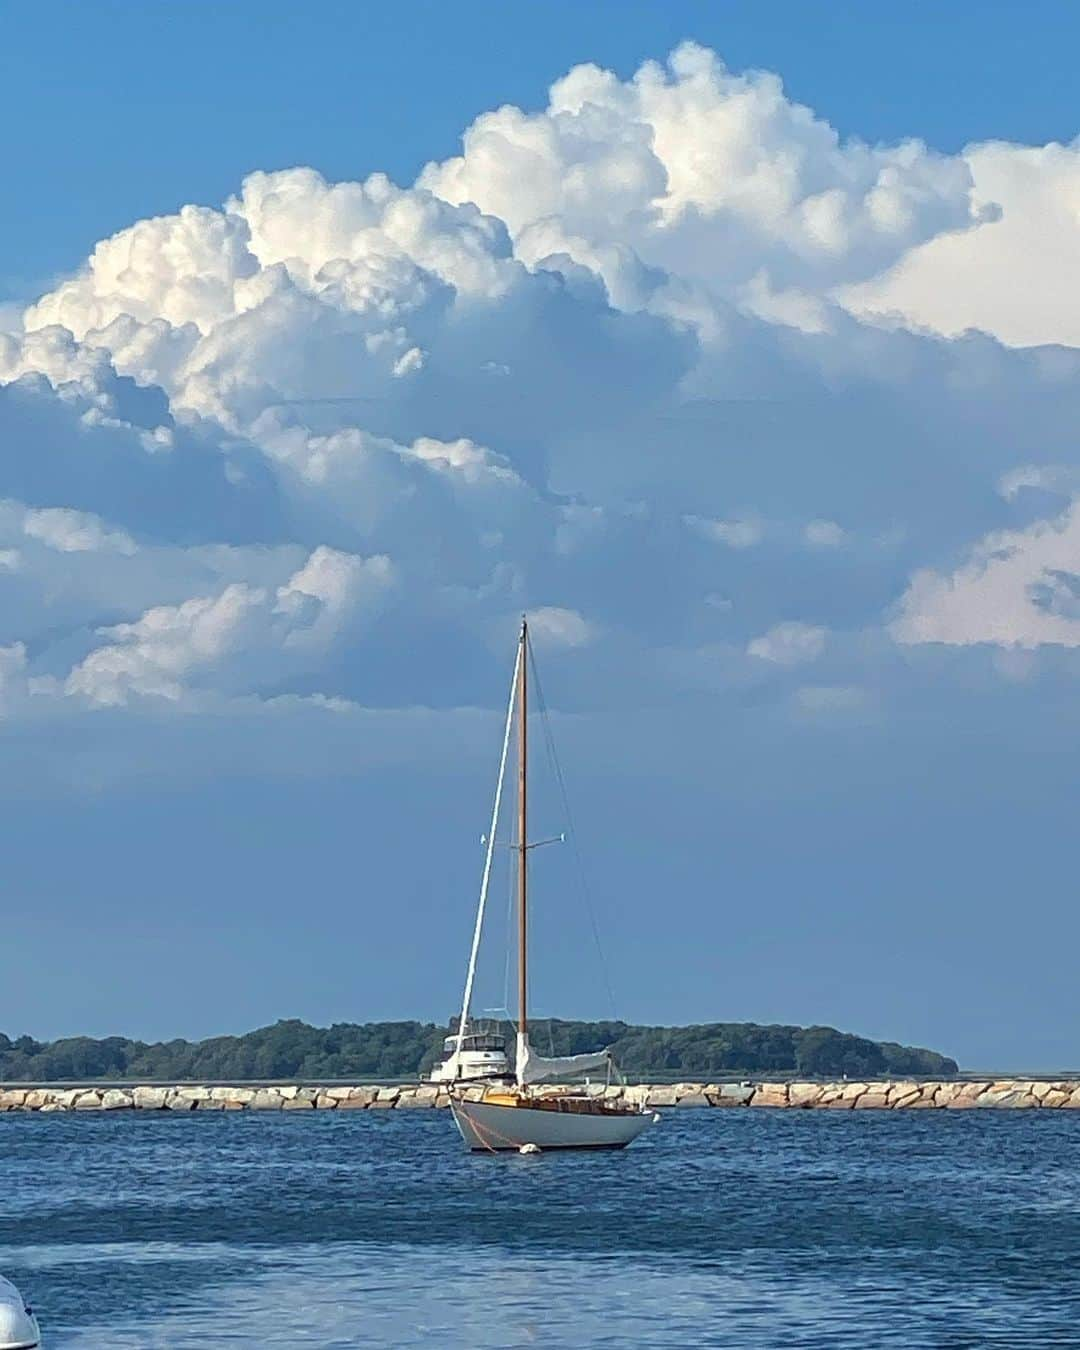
x=892 y=1095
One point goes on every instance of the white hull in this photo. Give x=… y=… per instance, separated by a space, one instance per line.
x=18 y=1328
x=489 y=1126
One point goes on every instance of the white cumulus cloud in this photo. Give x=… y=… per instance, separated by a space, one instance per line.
x=274 y=449
x=1019 y=588
x=70 y=531
x=789 y=644
x=1017 y=275
x=241 y=636
x=824 y=534
x=734 y=533
x=556 y=627
x=715 y=177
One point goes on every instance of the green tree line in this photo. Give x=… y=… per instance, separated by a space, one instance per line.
x=373 y=1050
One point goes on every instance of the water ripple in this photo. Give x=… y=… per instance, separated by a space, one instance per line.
x=737 y=1228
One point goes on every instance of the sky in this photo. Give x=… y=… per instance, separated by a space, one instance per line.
x=736 y=344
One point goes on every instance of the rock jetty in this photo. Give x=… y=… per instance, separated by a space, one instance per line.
x=841 y=1096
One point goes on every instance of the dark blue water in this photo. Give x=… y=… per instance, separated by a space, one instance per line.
x=718 y=1228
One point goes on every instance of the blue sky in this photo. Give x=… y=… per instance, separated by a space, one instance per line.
x=736 y=343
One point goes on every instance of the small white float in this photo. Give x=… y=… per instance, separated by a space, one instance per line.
x=18 y=1326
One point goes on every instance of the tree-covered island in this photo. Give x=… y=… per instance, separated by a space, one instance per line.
x=293 y=1050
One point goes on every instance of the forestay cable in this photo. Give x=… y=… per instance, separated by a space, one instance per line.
x=478 y=929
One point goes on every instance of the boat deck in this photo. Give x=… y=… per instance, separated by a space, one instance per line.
x=570 y=1104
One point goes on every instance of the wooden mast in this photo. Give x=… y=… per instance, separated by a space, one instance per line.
x=523 y=837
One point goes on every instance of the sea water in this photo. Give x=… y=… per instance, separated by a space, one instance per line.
x=717 y=1228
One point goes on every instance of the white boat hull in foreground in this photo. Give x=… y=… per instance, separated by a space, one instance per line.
x=491 y=1127
x=18 y=1327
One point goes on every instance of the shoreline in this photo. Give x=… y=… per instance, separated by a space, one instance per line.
x=892 y=1094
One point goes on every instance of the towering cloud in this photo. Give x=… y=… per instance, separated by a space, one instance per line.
x=654 y=362
x=711 y=179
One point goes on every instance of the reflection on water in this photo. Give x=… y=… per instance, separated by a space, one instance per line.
x=732 y=1229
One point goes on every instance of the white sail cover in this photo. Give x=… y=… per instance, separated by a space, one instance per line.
x=534 y=1068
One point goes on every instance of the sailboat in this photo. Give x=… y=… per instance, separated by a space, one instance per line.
x=517 y=1113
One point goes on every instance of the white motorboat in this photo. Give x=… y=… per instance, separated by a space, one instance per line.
x=519 y=1114
x=18 y=1326
x=475 y=1054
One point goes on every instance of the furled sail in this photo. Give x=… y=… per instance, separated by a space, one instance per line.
x=534 y=1068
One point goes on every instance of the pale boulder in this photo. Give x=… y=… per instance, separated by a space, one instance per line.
x=239 y=1096
x=149 y=1098
x=770 y=1094
x=973 y=1089
x=1003 y=1095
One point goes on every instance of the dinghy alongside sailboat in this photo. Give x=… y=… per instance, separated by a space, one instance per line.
x=517 y=1113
